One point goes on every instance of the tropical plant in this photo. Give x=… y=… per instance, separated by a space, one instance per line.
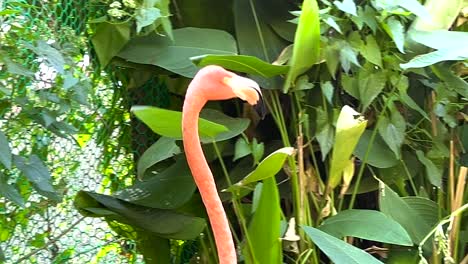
x=365 y=129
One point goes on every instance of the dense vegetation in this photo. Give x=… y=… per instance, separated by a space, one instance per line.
x=360 y=159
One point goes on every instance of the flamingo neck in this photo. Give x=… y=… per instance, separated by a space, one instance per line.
x=204 y=178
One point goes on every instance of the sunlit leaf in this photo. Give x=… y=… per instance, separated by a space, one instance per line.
x=366 y=224
x=349 y=128
x=162 y=149
x=324 y=133
x=241 y=149
x=347 y=6
x=348 y=56
x=306 y=51
x=146 y=16
x=459 y=53
x=337 y=250
x=271 y=165
x=242 y=63
x=397 y=32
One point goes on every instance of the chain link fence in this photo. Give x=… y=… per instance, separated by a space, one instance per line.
x=100 y=160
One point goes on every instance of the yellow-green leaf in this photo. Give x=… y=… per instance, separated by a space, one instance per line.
x=306 y=51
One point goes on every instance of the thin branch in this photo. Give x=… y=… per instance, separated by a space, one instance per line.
x=52 y=241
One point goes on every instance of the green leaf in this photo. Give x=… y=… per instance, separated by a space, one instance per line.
x=433 y=173
x=427 y=209
x=349 y=128
x=402 y=85
x=155 y=250
x=5 y=151
x=327 y=91
x=241 y=149
x=16 y=68
x=235 y=126
x=242 y=63
x=347 y=6
x=109 y=39
x=348 y=56
x=146 y=16
x=163 y=148
x=459 y=53
x=396 y=208
x=396 y=31
x=168 y=189
x=264 y=228
x=167 y=123
x=36 y=172
x=163 y=223
x=9 y=191
x=380 y=156
x=175 y=56
x=337 y=250
x=258 y=149
x=370 y=86
x=271 y=165
x=415 y=7
x=439 y=39
x=366 y=224
x=53 y=57
x=306 y=50
x=452 y=81
x=371 y=51
x=393 y=131
x=324 y=133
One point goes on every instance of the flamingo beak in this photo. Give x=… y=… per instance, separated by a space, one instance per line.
x=247 y=90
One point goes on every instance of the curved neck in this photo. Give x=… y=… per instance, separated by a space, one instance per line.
x=204 y=178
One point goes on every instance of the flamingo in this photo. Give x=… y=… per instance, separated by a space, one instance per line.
x=212 y=83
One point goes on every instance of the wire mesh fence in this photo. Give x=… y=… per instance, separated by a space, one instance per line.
x=99 y=157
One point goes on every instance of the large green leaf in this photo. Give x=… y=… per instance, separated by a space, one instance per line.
x=213 y=126
x=162 y=149
x=264 y=228
x=349 y=128
x=371 y=51
x=396 y=208
x=427 y=209
x=175 y=55
x=269 y=166
x=37 y=172
x=347 y=6
x=168 y=189
x=440 y=39
x=163 y=223
x=277 y=14
x=255 y=37
x=442 y=14
x=380 y=155
x=459 y=53
x=109 y=39
x=366 y=224
x=242 y=63
x=337 y=250
x=5 y=151
x=306 y=51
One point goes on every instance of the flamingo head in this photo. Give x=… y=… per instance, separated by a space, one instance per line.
x=216 y=83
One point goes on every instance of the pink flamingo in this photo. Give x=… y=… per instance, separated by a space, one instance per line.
x=212 y=83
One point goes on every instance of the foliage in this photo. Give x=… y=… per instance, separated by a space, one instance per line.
x=372 y=105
